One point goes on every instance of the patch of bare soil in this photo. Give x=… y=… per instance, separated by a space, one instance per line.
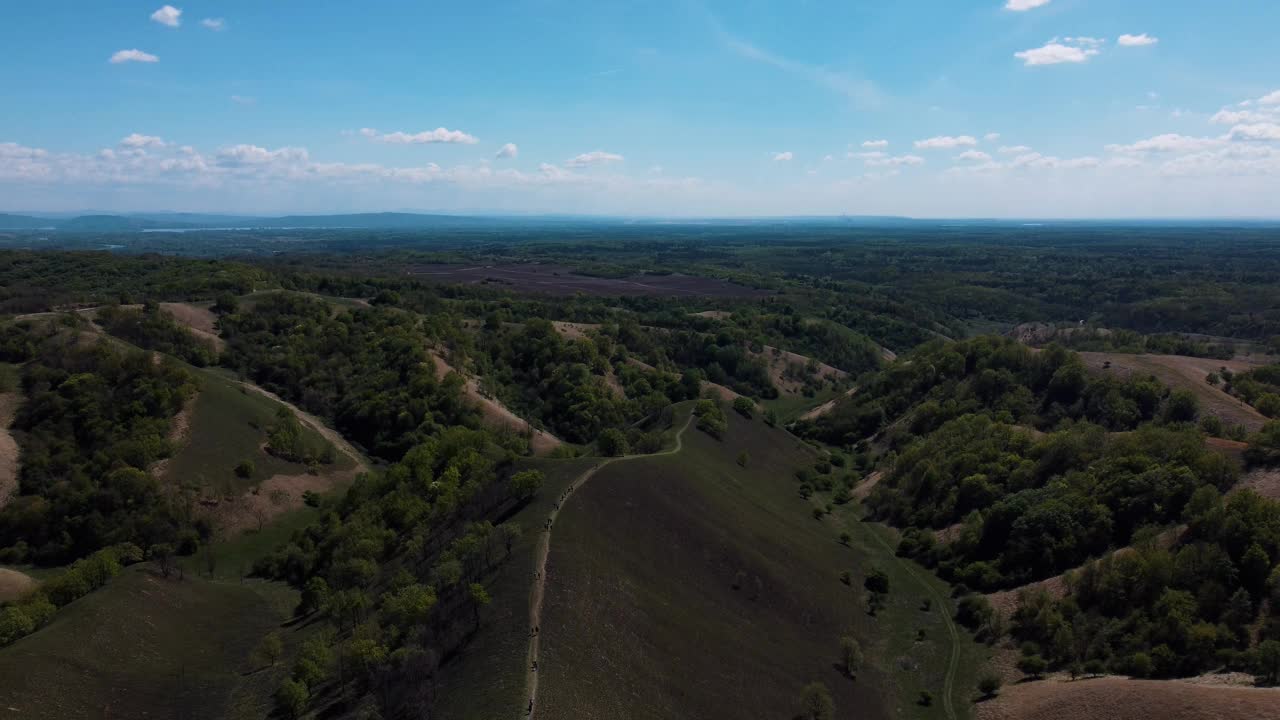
x=8 y=446
x=274 y=496
x=199 y=320
x=1180 y=371
x=720 y=391
x=496 y=414
x=714 y=314
x=14 y=584
x=787 y=370
x=827 y=406
x=641 y=364
x=1113 y=698
x=949 y=533
x=864 y=488
x=572 y=330
x=179 y=433
x=1264 y=481
x=1006 y=601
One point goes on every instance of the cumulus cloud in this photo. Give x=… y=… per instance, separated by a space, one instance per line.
x=426 y=137
x=1013 y=149
x=1127 y=40
x=1265 y=131
x=875 y=144
x=880 y=159
x=1058 y=51
x=214 y=24
x=1270 y=99
x=784 y=156
x=975 y=155
x=946 y=142
x=508 y=151
x=134 y=55
x=136 y=141
x=1024 y=5
x=168 y=15
x=1236 y=117
x=1167 y=143
x=595 y=157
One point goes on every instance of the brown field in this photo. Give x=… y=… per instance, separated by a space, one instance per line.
x=498 y=415
x=1112 y=698
x=714 y=314
x=719 y=391
x=1179 y=371
x=1265 y=482
x=561 y=280
x=864 y=488
x=8 y=447
x=780 y=360
x=199 y=320
x=572 y=330
x=826 y=407
x=15 y=584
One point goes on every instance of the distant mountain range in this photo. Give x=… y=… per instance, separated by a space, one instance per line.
x=191 y=221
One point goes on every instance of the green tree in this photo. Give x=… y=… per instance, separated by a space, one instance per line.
x=1268 y=670
x=877 y=581
x=989 y=684
x=270 y=650
x=291 y=699
x=479 y=598
x=744 y=406
x=850 y=655
x=816 y=702
x=612 y=443
x=1032 y=666
x=526 y=483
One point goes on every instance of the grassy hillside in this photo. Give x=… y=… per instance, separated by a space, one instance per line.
x=141 y=647
x=485 y=680
x=229 y=424
x=688 y=586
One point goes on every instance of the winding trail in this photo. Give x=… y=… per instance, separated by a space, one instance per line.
x=538 y=592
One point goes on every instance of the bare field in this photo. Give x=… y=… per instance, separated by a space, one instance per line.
x=560 y=280
x=1112 y=698
x=15 y=584
x=780 y=360
x=1179 y=371
x=199 y=320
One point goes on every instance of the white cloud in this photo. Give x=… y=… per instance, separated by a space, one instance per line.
x=214 y=24
x=1055 y=52
x=875 y=144
x=243 y=100
x=595 y=157
x=975 y=155
x=1167 y=143
x=1266 y=132
x=991 y=137
x=1236 y=117
x=136 y=141
x=784 y=156
x=1013 y=149
x=1136 y=40
x=1024 y=5
x=1270 y=99
x=508 y=151
x=168 y=15
x=946 y=142
x=426 y=137
x=883 y=160
x=134 y=55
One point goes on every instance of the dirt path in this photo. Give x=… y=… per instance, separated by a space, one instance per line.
x=540 y=564
x=316 y=424
x=827 y=406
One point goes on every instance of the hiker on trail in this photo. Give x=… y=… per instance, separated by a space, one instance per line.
x=535 y=666
x=530 y=710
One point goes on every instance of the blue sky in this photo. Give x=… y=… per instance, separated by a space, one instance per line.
x=941 y=108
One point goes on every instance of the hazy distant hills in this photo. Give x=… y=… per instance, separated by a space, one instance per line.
x=190 y=221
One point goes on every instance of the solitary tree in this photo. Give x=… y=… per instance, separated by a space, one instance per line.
x=816 y=702
x=989 y=684
x=270 y=650
x=291 y=699
x=1033 y=666
x=850 y=655
x=479 y=598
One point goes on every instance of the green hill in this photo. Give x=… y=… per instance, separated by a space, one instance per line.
x=687 y=585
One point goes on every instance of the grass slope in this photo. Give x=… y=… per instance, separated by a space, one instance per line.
x=140 y=647
x=223 y=433
x=642 y=618
x=486 y=679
